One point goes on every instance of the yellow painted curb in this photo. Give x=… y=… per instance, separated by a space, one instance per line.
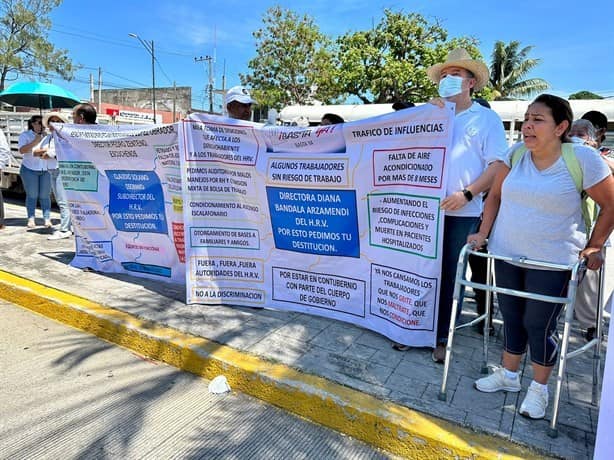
x=389 y=426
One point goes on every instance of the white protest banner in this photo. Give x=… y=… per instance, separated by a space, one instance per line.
x=123 y=186
x=341 y=221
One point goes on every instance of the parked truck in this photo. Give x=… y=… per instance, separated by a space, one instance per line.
x=14 y=123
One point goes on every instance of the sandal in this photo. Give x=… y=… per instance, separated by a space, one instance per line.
x=400 y=346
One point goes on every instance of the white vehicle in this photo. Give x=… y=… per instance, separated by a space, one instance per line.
x=13 y=124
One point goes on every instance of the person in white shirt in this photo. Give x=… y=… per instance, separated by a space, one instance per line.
x=34 y=175
x=239 y=103
x=46 y=150
x=5 y=154
x=476 y=152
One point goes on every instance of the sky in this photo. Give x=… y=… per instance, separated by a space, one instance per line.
x=575 y=43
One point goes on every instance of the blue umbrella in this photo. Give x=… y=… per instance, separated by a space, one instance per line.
x=37 y=94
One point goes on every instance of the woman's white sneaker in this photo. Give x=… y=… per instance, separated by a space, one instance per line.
x=535 y=403
x=60 y=235
x=498 y=381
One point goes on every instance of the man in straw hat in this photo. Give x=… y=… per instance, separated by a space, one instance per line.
x=477 y=148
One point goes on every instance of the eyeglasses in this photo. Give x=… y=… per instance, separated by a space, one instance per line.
x=56 y=120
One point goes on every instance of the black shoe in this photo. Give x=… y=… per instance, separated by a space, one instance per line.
x=590 y=334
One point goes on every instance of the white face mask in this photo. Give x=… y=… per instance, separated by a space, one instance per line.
x=450 y=85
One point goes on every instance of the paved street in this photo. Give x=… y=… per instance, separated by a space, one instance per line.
x=66 y=394
x=337 y=352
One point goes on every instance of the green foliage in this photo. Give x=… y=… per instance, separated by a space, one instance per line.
x=509 y=67
x=389 y=62
x=24 y=48
x=585 y=95
x=294 y=62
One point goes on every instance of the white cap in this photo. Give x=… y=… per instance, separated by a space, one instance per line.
x=239 y=94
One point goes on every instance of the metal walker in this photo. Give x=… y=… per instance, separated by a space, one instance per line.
x=577 y=272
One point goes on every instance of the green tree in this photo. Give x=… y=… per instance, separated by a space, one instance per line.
x=585 y=95
x=293 y=63
x=24 y=47
x=508 y=71
x=389 y=61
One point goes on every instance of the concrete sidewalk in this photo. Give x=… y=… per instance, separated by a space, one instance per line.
x=330 y=372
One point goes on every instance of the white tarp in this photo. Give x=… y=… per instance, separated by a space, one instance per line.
x=123 y=186
x=341 y=221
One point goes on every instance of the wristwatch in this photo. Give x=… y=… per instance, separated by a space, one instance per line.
x=468 y=194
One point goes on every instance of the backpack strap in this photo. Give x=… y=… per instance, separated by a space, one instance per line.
x=589 y=209
x=573 y=165
x=518 y=153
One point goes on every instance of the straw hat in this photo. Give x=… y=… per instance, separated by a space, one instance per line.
x=459 y=57
x=49 y=115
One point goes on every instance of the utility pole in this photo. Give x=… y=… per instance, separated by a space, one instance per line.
x=149 y=46
x=209 y=59
x=174 y=101
x=99 y=89
x=224 y=77
x=91 y=87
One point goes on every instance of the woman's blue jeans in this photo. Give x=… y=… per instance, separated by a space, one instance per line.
x=60 y=197
x=38 y=188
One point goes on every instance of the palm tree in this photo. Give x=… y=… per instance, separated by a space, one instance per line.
x=508 y=69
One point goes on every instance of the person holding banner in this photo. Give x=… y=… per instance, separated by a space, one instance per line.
x=34 y=175
x=84 y=114
x=476 y=152
x=239 y=103
x=534 y=209
x=331 y=119
x=46 y=149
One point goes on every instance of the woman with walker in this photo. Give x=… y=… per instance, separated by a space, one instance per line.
x=534 y=211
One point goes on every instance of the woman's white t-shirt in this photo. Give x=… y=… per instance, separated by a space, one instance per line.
x=29 y=160
x=540 y=215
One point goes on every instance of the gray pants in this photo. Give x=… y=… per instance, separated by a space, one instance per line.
x=587 y=303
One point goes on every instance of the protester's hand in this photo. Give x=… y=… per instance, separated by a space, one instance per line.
x=453 y=202
x=438 y=101
x=594 y=257
x=476 y=240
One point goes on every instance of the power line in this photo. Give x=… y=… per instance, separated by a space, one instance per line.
x=49 y=75
x=99 y=38
x=103 y=39
x=138 y=83
x=162 y=70
x=123 y=78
